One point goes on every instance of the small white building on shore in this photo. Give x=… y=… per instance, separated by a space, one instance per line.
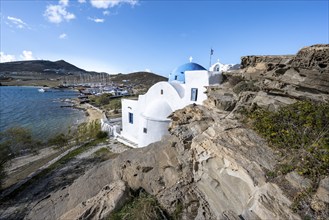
x=145 y=120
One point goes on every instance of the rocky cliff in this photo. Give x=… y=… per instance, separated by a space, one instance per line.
x=212 y=166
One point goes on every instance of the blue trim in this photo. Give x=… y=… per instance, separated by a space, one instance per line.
x=131 y=118
x=194 y=94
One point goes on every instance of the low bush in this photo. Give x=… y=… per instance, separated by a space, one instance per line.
x=15 y=141
x=141 y=207
x=19 y=141
x=88 y=131
x=59 y=140
x=245 y=86
x=301 y=133
x=103 y=99
x=101 y=135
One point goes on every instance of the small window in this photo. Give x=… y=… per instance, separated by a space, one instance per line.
x=194 y=94
x=175 y=77
x=131 y=118
x=145 y=130
x=161 y=91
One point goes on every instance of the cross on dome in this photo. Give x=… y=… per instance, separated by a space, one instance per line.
x=191 y=58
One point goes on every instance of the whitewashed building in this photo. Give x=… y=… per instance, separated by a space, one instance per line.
x=145 y=120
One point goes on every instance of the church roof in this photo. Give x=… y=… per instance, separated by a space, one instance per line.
x=158 y=110
x=178 y=74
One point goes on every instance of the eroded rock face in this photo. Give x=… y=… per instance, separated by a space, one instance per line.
x=228 y=168
x=313 y=57
x=307 y=71
x=271 y=82
x=111 y=197
x=271 y=61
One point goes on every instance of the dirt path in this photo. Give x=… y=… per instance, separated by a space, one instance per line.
x=33 y=170
x=113 y=146
x=19 y=162
x=22 y=172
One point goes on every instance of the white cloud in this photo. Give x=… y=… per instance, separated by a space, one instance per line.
x=17 y=22
x=62 y=36
x=6 y=57
x=82 y=1
x=111 y=3
x=58 y=13
x=97 y=20
x=64 y=2
x=148 y=70
x=27 y=55
x=106 y=12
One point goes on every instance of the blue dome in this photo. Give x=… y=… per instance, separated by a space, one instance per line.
x=179 y=73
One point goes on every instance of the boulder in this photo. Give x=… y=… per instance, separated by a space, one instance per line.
x=313 y=57
x=111 y=197
x=298 y=181
x=322 y=192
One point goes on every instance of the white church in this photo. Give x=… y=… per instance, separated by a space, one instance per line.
x=145 y=120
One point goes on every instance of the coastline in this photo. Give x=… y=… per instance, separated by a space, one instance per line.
x=21 y=167
x=92 y=113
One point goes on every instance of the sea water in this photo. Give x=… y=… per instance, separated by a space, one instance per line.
x=40 y=112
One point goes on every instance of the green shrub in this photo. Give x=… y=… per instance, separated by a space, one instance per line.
x=18 y=140
x=141 y=207
x=245 y=86
x=15 y=142
x=59 y=140
x=178 y=211
x=301 y=132
x=101 y=135
x=115 y=104
x=87 y=131
x=103 y=99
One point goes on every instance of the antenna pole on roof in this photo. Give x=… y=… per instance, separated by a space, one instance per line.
x=211 y=53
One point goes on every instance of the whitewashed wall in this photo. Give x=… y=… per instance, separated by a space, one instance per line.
x=155 y=131
x=130 y=131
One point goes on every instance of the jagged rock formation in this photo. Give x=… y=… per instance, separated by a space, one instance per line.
x=312 y=57
x=100 y=206
x=274 y=81
x=211 y=165
x=307 y=71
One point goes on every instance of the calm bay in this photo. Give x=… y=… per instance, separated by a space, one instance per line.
x=41 y=112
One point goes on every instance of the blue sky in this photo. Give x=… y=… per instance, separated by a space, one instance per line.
x=131 y=35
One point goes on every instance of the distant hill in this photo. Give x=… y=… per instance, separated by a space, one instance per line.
x=138 y=78
x=40 y=66
x=43 y=72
